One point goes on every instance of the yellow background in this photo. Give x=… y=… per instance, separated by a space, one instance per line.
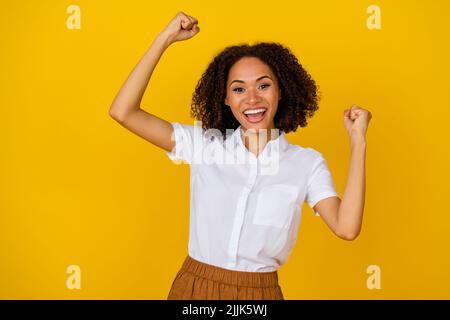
x=76 y=188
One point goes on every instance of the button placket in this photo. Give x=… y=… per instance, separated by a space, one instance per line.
x=241 y=206
x=240 y=214
x=253 y=173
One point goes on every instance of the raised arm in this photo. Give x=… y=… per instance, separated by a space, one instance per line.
x=126 y=109
x=345 y=216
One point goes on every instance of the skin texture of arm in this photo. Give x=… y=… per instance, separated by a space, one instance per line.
x=126 y=109
x=344 y=217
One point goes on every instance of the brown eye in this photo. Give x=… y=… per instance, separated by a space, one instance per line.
x=238 y=88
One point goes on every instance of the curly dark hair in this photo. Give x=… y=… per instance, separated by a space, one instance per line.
x=299 y=93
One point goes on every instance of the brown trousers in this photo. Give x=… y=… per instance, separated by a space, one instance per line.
x=200 y=281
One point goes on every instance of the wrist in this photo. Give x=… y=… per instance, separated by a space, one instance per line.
x=164 y=39
x=357 y=140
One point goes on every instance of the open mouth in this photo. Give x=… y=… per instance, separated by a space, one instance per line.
x=255 y=115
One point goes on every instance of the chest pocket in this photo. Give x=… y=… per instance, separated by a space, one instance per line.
x=276 y=205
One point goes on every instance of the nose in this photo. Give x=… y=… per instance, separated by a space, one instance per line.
x=253 y=96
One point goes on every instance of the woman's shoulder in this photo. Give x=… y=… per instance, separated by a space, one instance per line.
x=306 y=152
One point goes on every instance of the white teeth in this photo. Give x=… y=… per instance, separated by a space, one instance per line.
x=254 y=111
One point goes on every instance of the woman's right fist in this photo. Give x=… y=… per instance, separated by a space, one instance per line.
x=181 y=27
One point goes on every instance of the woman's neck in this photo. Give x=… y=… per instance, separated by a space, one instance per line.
x=255 y=142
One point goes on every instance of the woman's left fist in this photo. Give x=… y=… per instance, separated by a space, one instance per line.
x=356 y=120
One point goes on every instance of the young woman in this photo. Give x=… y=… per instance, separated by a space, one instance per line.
x=248 y=183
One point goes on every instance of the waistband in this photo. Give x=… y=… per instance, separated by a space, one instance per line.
x=231 y=277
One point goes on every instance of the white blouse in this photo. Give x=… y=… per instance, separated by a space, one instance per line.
x=245 y=210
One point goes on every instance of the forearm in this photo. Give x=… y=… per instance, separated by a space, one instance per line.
x=352 y=204
x=130 y=95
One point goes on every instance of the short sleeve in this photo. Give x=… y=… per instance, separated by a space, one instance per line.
x=320 y=183
x=187 y=139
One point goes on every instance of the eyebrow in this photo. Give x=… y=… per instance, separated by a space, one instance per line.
x=265 y=76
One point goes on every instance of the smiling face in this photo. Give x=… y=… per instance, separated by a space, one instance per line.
x=252 y=94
